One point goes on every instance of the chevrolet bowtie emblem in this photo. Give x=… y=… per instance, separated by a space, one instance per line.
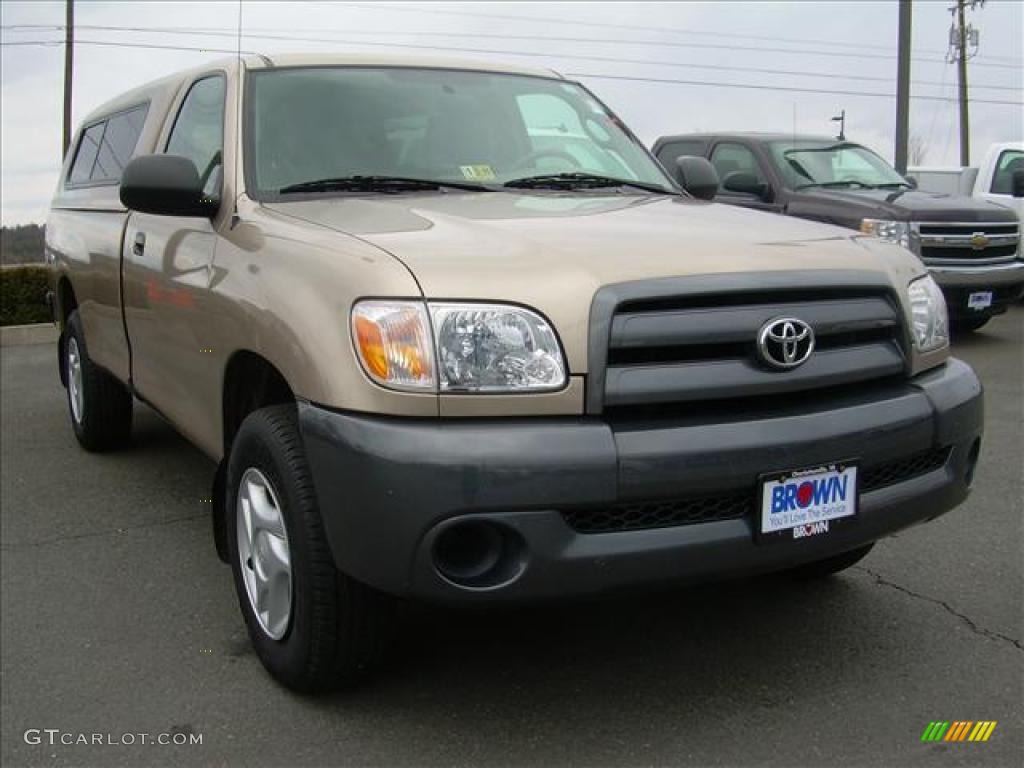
x=978 y=241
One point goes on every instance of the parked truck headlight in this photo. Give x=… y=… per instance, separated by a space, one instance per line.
x=893 y=231
x=457 y=347
x=928 y=311
x=495 y=348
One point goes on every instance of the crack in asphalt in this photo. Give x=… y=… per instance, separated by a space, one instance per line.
x=970 y=623
x=72 y=537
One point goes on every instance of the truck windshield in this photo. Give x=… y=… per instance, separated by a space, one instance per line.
x=830 y=164
x=386 y=129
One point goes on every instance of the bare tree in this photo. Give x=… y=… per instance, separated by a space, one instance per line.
x=917 y=150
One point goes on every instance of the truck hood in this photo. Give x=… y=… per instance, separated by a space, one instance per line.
x=554 y=251
x=910 y=205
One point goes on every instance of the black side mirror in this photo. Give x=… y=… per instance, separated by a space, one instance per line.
x=697 y=176
x=167 y=185
x=1017 y=183
x=745 y=183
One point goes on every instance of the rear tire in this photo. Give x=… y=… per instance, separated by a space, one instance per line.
x=99 y=405
x=968 y=324
x=831 y=565
x=333 y=629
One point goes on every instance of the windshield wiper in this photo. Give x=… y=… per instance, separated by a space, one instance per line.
x=845 y=183
x=578 y=180
x=893 y=185
x=392 y=184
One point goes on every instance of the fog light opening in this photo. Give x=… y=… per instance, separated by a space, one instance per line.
x=479 y=554
x=972 y=463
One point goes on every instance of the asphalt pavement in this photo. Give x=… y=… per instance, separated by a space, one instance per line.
x=118 y=619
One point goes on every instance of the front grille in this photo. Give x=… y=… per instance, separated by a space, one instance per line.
x=947 y=253
x=968 y=243
x=903 y=469
x=641 y=515
x=673 y=350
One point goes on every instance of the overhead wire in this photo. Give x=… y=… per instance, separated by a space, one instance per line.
x=595 y=75
x=635 y=27
x=792 y=89
x=253 y=33
x=536 y=54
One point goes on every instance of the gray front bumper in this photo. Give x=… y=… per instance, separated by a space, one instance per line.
x=1006 y=281
x=388 y=487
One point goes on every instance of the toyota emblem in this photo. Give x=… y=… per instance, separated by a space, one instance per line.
x=785 y=342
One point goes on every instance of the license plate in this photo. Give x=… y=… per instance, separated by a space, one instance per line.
x=979 y=300
x=807 y=502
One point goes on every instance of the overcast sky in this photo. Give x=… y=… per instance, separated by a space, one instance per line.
x=660 y=41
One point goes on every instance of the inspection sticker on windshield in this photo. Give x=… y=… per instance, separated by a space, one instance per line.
x=980 y=300
x=807 y=502
x=477 y=172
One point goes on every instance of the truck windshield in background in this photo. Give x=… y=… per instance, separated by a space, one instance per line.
x=812 y=164
x=310 y=123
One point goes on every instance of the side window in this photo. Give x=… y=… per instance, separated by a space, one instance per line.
x=1002 y=180
x=668 y=154
x=118 y=144
x=106 y=147
x=560 y=142
x=85 y=157
x=735 y=158
x=198 y=132
x=546 y=115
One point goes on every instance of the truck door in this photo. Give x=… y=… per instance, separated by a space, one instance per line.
x=743 y=179
x=168 y=266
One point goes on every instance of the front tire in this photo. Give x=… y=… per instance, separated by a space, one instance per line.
x=820 y=569
x=99 y=405
x=313 y=627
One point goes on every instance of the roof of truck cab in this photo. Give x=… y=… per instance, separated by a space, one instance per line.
x=261 y=61
x=746 y=135
x=390 y=60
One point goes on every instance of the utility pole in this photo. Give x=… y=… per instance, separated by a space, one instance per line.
x=69 y=62
x=903 y=87
x=961 y=37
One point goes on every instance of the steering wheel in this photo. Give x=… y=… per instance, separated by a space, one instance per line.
x=537 y=154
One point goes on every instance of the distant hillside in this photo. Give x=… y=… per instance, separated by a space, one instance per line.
x=21 y=245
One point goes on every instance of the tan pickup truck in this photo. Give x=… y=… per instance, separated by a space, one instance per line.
x=451 y=333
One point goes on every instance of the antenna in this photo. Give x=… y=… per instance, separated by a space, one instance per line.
x=238 y=111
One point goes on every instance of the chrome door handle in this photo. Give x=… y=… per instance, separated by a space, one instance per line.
x=140 y=244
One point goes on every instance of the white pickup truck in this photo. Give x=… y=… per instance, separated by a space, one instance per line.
x=992 y=180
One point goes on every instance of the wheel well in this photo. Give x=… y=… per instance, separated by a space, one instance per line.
x=251 y=382
x=66 y=304
x=66 y=300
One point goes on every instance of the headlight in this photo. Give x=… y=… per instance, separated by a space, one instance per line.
x=893 y=231
x=928 y=310
x=448 y=347
x=393 y=342
x=495 y=348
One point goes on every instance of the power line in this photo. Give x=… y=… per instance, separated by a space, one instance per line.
x=634 y=27
x=706 y=83
x=749 y=86
x=532 y=38
x=533 y=54
x=53 y=43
